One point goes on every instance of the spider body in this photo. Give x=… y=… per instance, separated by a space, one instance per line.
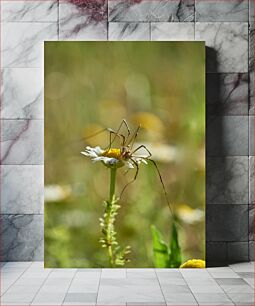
x=121 y=154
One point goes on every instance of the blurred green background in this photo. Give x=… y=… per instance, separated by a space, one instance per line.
x=92 y=85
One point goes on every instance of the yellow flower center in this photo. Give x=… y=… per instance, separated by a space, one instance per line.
x=112 y=153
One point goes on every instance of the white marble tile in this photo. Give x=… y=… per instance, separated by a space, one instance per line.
x=227 y=93
x=242 y=299
x=213 y=299
x=228 y=43
x=22 y=189
x=227 y=136
x=113 y=273
x=129 y=31
x=22 y=93
x=111 y=295
x=251 y=10
x=243 y=267
x=180 y=299
x=172 y=31
x=22 y=142
x=78 y=22
x=44 y=298
x=84 y=285
x=17 y=264
x=141 y=273
x=234 y=10
x=151 y=10
x=23 y=237
x=23 y=10
x=21 y=297
x=138 y=294
x=23 y=43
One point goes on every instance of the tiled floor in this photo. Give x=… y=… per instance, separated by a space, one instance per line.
x=27 y=283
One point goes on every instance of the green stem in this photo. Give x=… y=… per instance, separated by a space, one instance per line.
x=112 y=183
x=111 y=198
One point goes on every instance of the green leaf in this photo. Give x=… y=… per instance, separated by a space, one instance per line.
x=175 y=250
x=160 y=249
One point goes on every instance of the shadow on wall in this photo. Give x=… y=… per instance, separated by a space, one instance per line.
x=213 y=144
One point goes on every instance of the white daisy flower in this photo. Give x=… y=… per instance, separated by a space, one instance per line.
x=112 y=157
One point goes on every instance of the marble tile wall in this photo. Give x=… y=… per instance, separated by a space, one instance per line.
x=227 y=27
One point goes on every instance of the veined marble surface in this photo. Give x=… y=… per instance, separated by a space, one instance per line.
x=181 y=31
x=227 y=136
x=22 y=189
x=76 y=23
x=23 y=10
x=22 y=142
x=234 y=10
x=22 y=93
x=229 y=42
x=251 y=68
x=251 y=182
x=227 y=180
x=227 y=223
x=129 y=31
x=229 y=39
x=151 y=10
x=22 y=237
x=22 y=43
x=227 y=93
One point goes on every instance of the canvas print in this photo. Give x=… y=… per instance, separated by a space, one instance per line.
x=124 y=154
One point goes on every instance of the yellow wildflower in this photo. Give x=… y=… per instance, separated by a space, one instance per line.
x=193 y=263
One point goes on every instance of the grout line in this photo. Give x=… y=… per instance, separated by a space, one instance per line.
x=69 y=286
x=150 y=34
x=16 y=279
x=98 y=285
x=160 y=286
x=223 y=289
x=40 y=287
x=190 y=288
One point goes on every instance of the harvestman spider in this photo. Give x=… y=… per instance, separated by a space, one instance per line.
x=126 y=152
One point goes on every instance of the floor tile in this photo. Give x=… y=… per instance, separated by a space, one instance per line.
x=224 y=272
x=212 y=289
x=237 y=288
x=230 y=281
x=242 y=299
x=175 y=288
x=140 y=273
x=146 y=303
x=48 y=299
x=213 y=299
x=113 y=273
x=21 y=297
x=17 y=264
x=180 y=299
x=243 y=267
x=81 y=297
x=83 y=274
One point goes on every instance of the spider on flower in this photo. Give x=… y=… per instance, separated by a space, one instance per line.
x=126 y=155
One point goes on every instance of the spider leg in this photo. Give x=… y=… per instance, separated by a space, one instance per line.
x=117 y=132
x=112 y=132
x=133 y=138
x=128 y=129
x=95 y=134
x=136 y=173
x=162 y=183
x=145 y=148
